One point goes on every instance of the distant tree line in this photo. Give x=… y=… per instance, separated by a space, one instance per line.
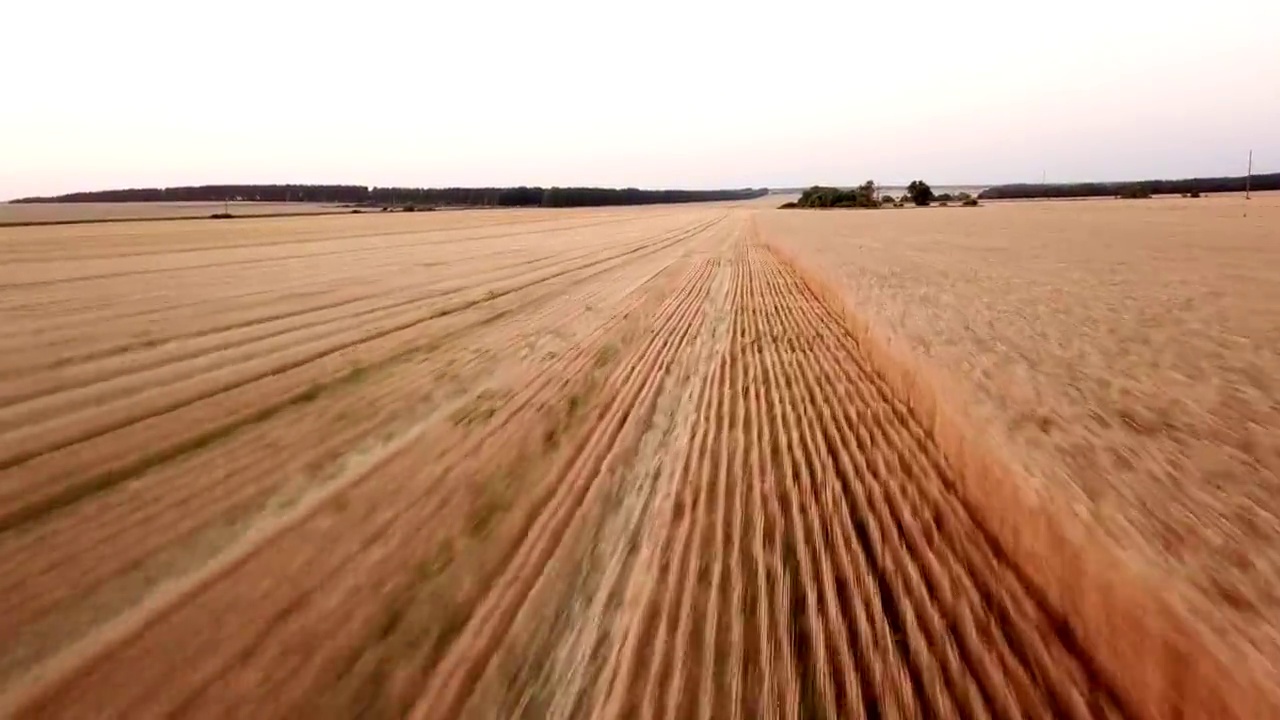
x=586 y=196
x=864 y=196
x=1144 y=188
x=358 y=195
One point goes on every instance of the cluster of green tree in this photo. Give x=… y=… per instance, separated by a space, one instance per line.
x=359 y=195
x=1145 y=188
x=820 y=196
x=864 y=196
x=919 y=193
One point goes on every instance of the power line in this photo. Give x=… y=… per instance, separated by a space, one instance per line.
x=1248 y=178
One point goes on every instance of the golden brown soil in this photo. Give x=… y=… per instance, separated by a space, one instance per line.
x=610 y=463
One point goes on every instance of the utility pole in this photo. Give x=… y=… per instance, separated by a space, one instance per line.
x=1248 y=178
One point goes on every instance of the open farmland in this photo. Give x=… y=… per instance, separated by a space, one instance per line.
x=40 y=213
x=1125 y=354
x=608 y=463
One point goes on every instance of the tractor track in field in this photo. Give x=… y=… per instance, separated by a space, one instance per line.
x=36 y=254
x=62 y=280
x=35 y=478
x=327 y=572
x=259 y=335
x=70 y=331
x=122 y=532
x=106 y=543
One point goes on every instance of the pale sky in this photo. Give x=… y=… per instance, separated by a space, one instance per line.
x=662 y=93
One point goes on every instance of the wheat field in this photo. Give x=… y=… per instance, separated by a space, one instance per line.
x=681 y=461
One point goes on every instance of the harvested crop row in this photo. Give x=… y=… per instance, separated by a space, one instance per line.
x=116 y=241
x=103 y=538
x=419 y=272
x=377 y=264
x=58 y=275
x=111 y=444
x=113 y=534
x=867 y=588
x=615 y=434
x=564 y=636
x=496 y=329
x=29 y=400
x=384 y=522
x=47 y=339
x=807 y=556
